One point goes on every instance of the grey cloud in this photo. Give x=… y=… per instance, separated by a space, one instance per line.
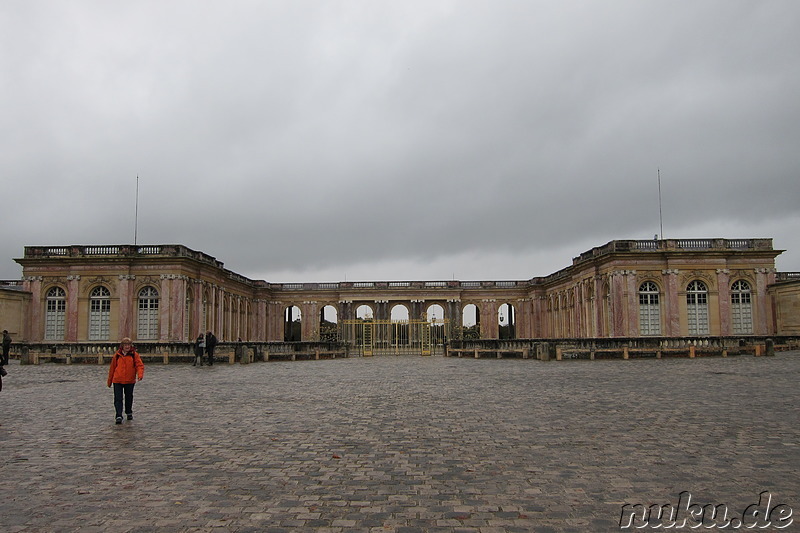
x=312 y=136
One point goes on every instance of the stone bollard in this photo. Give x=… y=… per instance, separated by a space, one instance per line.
x=769 y=347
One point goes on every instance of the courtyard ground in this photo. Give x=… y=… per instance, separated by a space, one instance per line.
x=396 y=444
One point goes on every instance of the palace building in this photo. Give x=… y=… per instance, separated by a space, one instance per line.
x=625 y=288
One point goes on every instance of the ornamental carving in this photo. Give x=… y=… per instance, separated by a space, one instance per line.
x=99 y=281
x=703 y=275
x=644 y=277
x=746 y=275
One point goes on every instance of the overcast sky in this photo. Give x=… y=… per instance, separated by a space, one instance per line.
x=378 y=140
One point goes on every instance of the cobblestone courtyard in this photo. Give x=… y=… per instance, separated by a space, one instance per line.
x=395 y=444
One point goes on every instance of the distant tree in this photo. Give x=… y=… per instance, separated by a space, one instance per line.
x=328 y=331
x=472 y=332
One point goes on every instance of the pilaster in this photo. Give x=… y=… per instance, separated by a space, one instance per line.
x=760 y=320
x=724 y=297
x=672 y=318
x=73 y=285
x=125 y=305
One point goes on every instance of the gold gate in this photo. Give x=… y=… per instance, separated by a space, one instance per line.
x=393 y=337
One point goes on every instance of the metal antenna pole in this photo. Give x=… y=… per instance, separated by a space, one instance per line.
x=660 y=216
x=136 y=215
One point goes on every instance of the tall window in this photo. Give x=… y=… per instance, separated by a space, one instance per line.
x=741 y=308
x=204 y=319
x=649 y=309
x=697 y=308
x=55 y=314
x=148 y=314
x=606 y=310
x=99 y=314
x=187 y=309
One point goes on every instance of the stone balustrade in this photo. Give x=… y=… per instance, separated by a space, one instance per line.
x=621 y=348
x=157 y=352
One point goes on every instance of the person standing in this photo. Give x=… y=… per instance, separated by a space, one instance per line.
x=126 y=369
x=6 y=347
x=199 y=350
x=211 y=343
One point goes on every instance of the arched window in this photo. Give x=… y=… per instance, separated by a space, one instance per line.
x=55 y=314
x=147 y=325
x=697 y=308
x=187 y=316
x=649 y=309
x=99 y=314
x=605 y=310
x=204 y=319
x=741 y=308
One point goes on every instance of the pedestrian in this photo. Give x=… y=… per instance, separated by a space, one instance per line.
x=6 y=347
x=211 y=343
x=126 y=369
x=199 y=349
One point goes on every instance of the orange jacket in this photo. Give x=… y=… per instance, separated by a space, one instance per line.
x=125 y=368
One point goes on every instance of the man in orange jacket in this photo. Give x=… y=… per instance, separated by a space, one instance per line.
x=126 y=369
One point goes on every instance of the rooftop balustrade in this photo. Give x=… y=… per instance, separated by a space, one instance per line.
x=619 y=246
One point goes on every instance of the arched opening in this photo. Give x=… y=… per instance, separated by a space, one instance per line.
x=205 y=319
x=227 y=322
x=605 y=311
x=328 y=324
x=506 y=321
x=188 y=319
x=399 y=312
x=245 y=331
x=436 y=318
x=470 y=322
x=292 y=324
x=399 y=331
x=364 y=312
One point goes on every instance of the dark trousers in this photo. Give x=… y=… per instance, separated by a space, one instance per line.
x=4 y=360
x=127 y=389
x=211 y=356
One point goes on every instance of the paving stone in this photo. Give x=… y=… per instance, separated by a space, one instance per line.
x=395 y=444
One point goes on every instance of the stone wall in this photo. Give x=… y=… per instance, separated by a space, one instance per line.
x=13 y=309
x=786 y=300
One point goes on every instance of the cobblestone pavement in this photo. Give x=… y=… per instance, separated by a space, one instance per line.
x=396 y=444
